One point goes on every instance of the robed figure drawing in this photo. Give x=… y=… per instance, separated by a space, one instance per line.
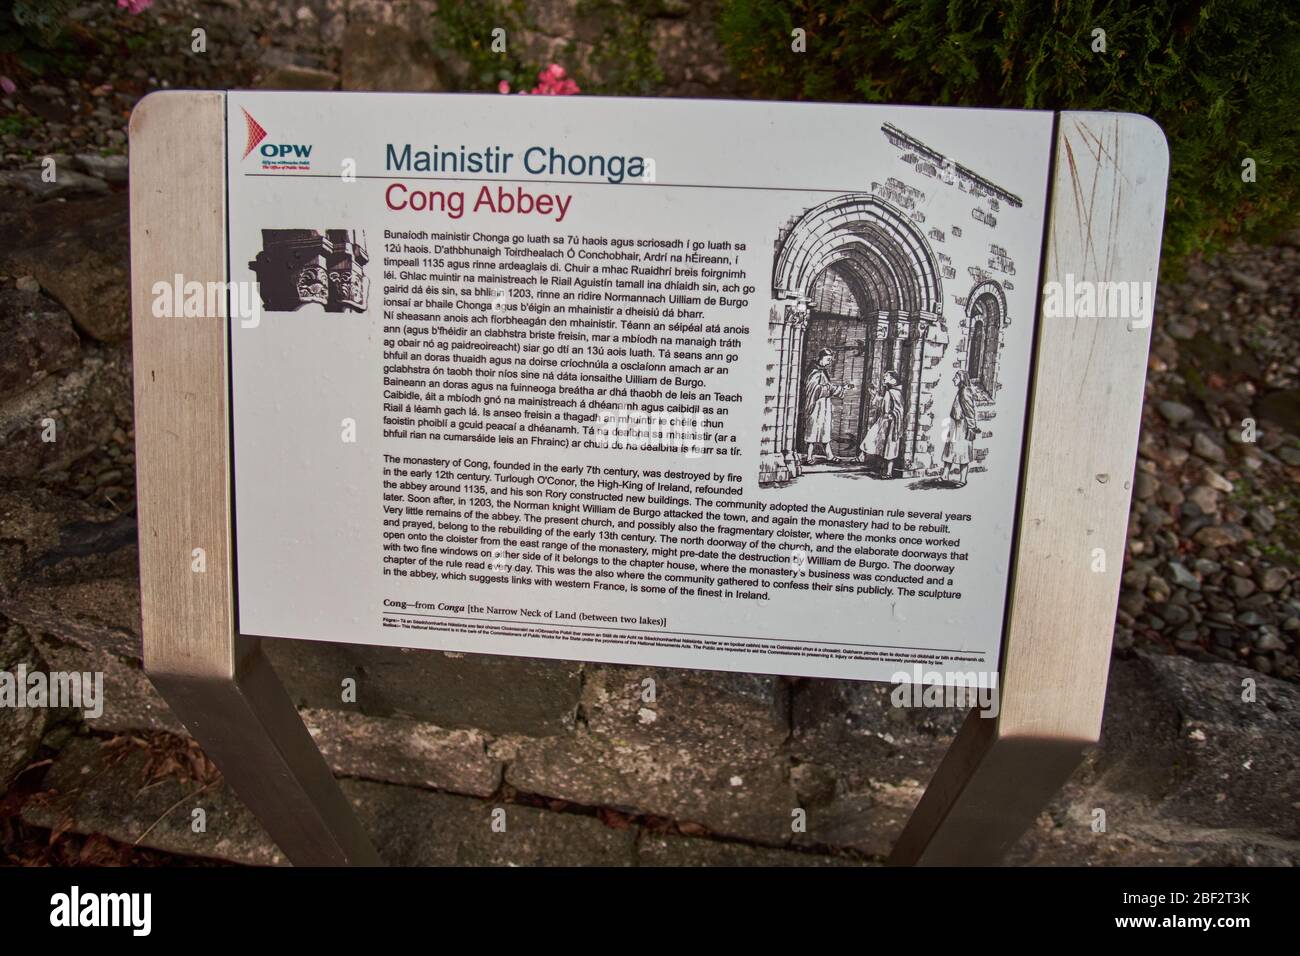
x=819 y=393
x=958 y=447
x=883 y=439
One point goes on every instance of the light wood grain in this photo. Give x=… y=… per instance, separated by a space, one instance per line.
x=219 y=684
x=178 y=212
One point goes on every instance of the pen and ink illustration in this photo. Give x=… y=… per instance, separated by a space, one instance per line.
x=872 y=374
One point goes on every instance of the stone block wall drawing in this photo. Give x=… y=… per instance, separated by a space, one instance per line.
x=300 y=267
x=867 y=278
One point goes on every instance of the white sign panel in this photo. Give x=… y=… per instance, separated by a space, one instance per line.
x=724 y=385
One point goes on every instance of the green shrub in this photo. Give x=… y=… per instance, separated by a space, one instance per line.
x=1222 y=77
x=462 y=35
x=616 y=48
x=621 y=61
x=33 y=35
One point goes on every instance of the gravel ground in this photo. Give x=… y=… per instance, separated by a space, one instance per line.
x=1213 y=538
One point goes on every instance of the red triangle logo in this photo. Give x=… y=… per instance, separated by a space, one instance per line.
x=255 y=133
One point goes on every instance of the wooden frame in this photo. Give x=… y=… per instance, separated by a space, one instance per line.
x=1104 y=224
x=217 y=682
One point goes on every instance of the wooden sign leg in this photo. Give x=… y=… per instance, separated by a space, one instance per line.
x=985 y=794
x=249 y=727
x=1104 y=225
x=219 y=684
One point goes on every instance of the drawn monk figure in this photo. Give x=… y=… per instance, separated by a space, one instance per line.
x=884 y=438
x=818 y=393
x=962 y=428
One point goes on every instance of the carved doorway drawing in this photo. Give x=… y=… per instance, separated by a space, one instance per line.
x=855 y=277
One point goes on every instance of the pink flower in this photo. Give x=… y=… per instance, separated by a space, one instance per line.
x=135 y=6
x=553 y=81
x=7 y=85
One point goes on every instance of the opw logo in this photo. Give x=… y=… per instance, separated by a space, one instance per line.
x=275 y=156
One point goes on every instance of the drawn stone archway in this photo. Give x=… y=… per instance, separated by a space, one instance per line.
x=858 y=263
x=986 y=315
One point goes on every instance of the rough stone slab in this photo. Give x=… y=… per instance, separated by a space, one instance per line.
x=66 y=183
x=417 y=826
x=21 y=728
x=469 y=691
x=709 y=750
x=379 y=56
x=1186 y=773
x=736 y=711
x=69 y=576
x=103 y=616
x=94 y=789
x=54 y=532
x=313 y=671
x=421 y=828
x=868 y=821
x=78 y=252
x=1238 y=763
x=39 y=340
x=660 y=850
x=131 y=702
x=404 y=752
x=91 y=789
x=862 y=763
x=846 y=724
x=51 y=539
x=69 y=571
x=87 y=402
x=743 y=796
x=1071 y=842
x=112 y=169
x=499 y=695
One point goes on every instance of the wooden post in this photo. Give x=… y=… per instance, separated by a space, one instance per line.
x=219 y=684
